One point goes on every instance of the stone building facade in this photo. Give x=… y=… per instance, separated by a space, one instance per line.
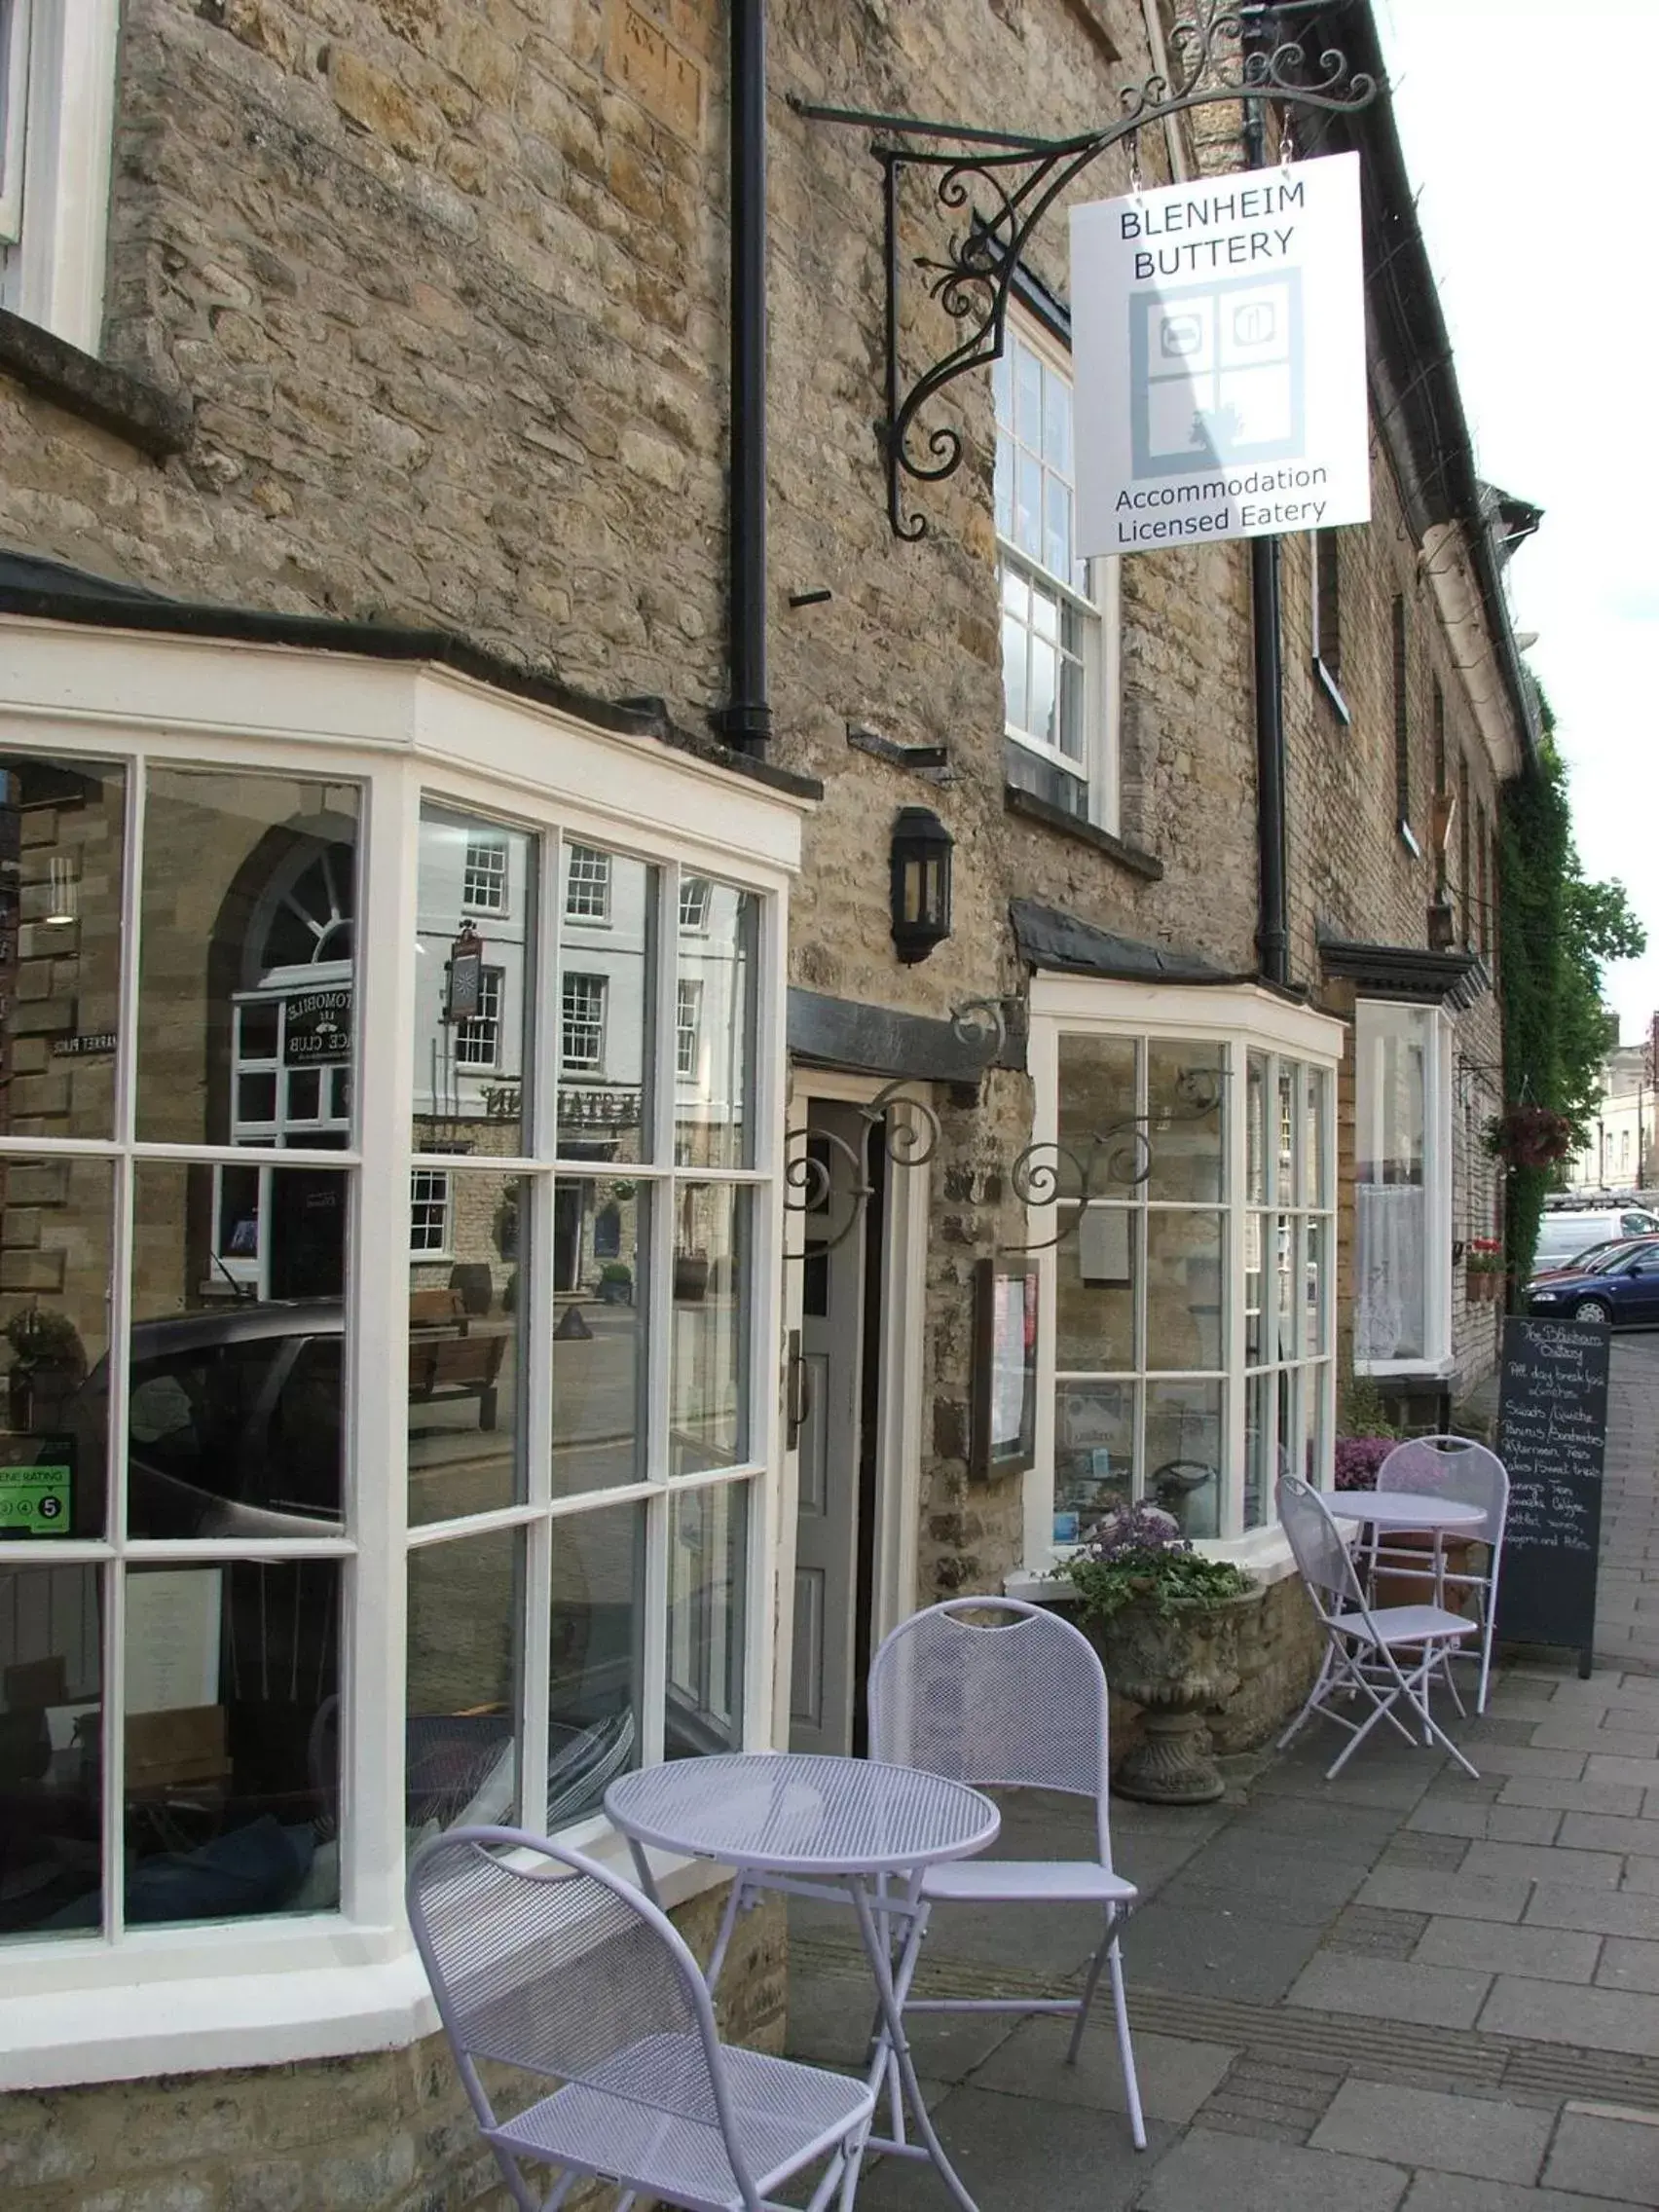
x=365 y=482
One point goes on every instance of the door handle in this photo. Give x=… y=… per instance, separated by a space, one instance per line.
x=797 y=1392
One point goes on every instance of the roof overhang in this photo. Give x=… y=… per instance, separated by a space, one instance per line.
x=1413 y=972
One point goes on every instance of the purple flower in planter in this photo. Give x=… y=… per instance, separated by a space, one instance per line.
x=1358 y=1459
x=1140 y=1528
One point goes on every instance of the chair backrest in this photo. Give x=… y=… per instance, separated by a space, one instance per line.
x=1451 y=1466
x=560 y=1967
x=1017 y=1700
x=1324 y=1561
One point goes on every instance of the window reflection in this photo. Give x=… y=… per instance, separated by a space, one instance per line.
x=246 y=961
x=466 y=1607
x=51 y=1711
x=602 y=1295
x=714 y=1043
x=469 y=1239
x=708 y=1554
x=607 y=987
x=235 y=1412
x=55 y=1261
x=61 y=849
x=233 y=1795
x=594 y=1678
x=474 y=983
x=708 y=1412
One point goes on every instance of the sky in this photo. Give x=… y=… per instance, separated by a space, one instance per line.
x=1528 y=137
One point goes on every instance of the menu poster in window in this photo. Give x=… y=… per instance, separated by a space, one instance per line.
x=172 y=1639
x=1004 y=1395
x=1552 y=1435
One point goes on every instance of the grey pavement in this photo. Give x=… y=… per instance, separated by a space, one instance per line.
x=1405 y=1991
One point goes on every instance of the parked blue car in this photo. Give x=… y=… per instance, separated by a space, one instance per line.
x=1616 y=1282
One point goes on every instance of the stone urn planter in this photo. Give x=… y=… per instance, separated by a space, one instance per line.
x=1175 y=1665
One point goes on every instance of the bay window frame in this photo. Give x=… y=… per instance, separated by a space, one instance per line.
x=1239 y=1019
x=311 y=1984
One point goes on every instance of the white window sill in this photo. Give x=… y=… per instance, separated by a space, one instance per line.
x=1438 y=1370
x=1263 y=1554
x=362 y=1990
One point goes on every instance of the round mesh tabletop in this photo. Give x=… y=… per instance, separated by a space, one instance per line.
x=800 y=1812
x=1405 y=1509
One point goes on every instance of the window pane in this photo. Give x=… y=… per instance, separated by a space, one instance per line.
x=1014 y=688
x=1072 y=693
x=1094 y=1453
x=1289 y=1134
x=465 y=1330
x=249 y=898
x=235 y=1407
x=51 y=1711
x=1058 y=530
x=606 y=998
x=1097 y=1106
x=474 y=983
x=601 y=1289
x=1056 y=422
x=1261 y=1470
x=1028 y=505
x=54 y=1259
x=708 y=1560
x=231 y=1729
x=1256 y=1328
x=1002 y=387
x=1029 y=397
x=713 y=1113
x=1314 y=1082
x=1183 y=1290
x=1095 y=1326
x=465 y=1608
x=1256 y=1129
x=1292 y=1444
x=1183 y=1453
x=707 y=1378
x=1287 y=1251
x=1045 y=681
x=61 y=833
x=1185 y=1084
x=1390 y=1197
x=1315 y=1287
x=595 y=1680
x=1003 y=483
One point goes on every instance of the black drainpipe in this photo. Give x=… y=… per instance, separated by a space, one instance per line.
x=1272 y=929
x=746 y=720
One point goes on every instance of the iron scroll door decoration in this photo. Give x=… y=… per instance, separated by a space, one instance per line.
x=1003 y=183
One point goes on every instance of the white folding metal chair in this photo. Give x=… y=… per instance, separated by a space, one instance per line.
x=1379 y=1655
x=556 y=1966
x=1018 y=1702
x=1458 y=1467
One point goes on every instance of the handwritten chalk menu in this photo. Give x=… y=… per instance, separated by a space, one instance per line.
x=1552 y=1433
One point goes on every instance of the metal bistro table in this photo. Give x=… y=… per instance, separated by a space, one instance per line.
x=821 y=1826
x=1386 y=1513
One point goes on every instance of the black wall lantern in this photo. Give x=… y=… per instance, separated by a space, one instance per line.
x=920 y=895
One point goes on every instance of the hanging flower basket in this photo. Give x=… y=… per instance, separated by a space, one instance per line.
x=1531 y=1136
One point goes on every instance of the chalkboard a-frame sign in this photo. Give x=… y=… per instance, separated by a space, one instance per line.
x=1552 y=1436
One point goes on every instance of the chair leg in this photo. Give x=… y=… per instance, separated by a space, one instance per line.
x=1126 y=2048
x=1091 y=1982
x=1321 y=1684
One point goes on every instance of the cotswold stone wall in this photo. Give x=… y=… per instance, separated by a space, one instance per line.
x=390 y=2131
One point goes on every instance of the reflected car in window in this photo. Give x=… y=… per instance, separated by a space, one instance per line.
x=234 y=1424
x=1566 y=1236
x=1616 y=1283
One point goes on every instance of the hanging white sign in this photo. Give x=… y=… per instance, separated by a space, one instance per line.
x=1218 y=345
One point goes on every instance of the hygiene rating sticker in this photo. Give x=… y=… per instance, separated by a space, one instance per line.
x=34 y=1501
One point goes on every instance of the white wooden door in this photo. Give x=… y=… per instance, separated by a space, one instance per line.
x=825 y=1392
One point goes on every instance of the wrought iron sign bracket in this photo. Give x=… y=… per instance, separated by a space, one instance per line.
x=1001 y=184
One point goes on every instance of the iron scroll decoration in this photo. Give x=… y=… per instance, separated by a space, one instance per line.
x=1044 y=1174
x=1004 y=182
x=810 y=1183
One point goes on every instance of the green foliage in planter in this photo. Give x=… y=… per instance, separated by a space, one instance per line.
x=1137 y=1555
x=1558 y=932
x=1361 y=1412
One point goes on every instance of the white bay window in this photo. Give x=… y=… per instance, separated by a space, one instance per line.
x=315 y=1537
x=1187 y=1333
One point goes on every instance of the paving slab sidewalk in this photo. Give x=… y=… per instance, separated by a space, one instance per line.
x=1414 y=1993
